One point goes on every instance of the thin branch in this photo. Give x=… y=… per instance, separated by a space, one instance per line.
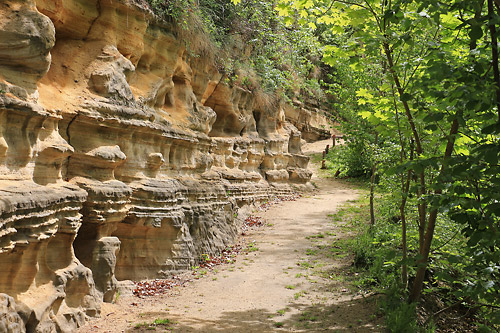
x=445 y=243
x=456 y=37
x=400 y=52
x=470 y=137
x=441 y=311
x=489 y=305
x=423 y=52
x=487 y=72
x=431 y=224
x=400 y=90
x=368 y=8
x=326 y=11
x=352 y=3
x=373 y=13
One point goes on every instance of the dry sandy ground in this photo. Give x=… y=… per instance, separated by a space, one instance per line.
x=288 y=284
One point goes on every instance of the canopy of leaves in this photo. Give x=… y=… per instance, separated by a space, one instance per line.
x=422 y=77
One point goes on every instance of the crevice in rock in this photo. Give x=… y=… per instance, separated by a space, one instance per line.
x=68 y=139
x=216 y=86
x=99 y=10
x=84 y=243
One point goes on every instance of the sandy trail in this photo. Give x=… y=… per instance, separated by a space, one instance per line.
x=285 y=285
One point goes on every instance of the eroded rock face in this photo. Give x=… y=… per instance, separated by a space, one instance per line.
x=10 y=321
x=103 y=266
x=26 y=37
x=309 y=120
x=121 y=157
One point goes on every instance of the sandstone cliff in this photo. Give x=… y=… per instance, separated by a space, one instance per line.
x=122 y=157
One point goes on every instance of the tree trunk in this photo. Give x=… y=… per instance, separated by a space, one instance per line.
x=422 y=207
x=404 y=243
x=431 y=224
x=372 y=187
x=494 y=54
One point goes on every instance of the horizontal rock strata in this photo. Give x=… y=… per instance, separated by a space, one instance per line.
x=122 y=157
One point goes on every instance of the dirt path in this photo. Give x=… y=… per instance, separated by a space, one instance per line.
x=288 y=281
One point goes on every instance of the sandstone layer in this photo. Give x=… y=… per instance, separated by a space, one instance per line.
x=122 y=156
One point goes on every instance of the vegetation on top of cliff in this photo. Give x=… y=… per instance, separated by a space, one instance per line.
x=253 y=45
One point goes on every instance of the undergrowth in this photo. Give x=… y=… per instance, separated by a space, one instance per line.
x=377 y=259
x=351 y=160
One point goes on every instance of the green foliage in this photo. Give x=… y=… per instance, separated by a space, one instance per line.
x=353 y=159
x=257 y=47
x=375 y=263
x=162 y=321
x=422 y=77
x=415 y=84
x=399 y=315
x=170 y=10
x=378 y=255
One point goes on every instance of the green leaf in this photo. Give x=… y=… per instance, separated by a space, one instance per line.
x=283 y=9
x=365 y=114
x=405 y=97
x=288 y=21
x=406 y=24
x=364 y=93
x=431 y=127
x=329 y=60
x=308 y=4
x=474 y=238
x=328 y=19
x=476 y=32
x=493 y=208
x=491 y=129
x=454 y=259
x=491 y=156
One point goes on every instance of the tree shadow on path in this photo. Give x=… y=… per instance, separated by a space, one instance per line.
x=339 y=317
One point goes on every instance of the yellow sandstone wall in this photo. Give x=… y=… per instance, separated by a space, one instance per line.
x=121 y=157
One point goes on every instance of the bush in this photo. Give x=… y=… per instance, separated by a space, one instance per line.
x=354 y=159
x=249 y=37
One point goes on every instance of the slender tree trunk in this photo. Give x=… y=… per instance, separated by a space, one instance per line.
x=404 y=243
x=405 y=185
x=372 y=187
x=422 y=206
x=431 y=224
x=421 y=223
x=400 y=90
x=372 y=211
x=494 y=54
